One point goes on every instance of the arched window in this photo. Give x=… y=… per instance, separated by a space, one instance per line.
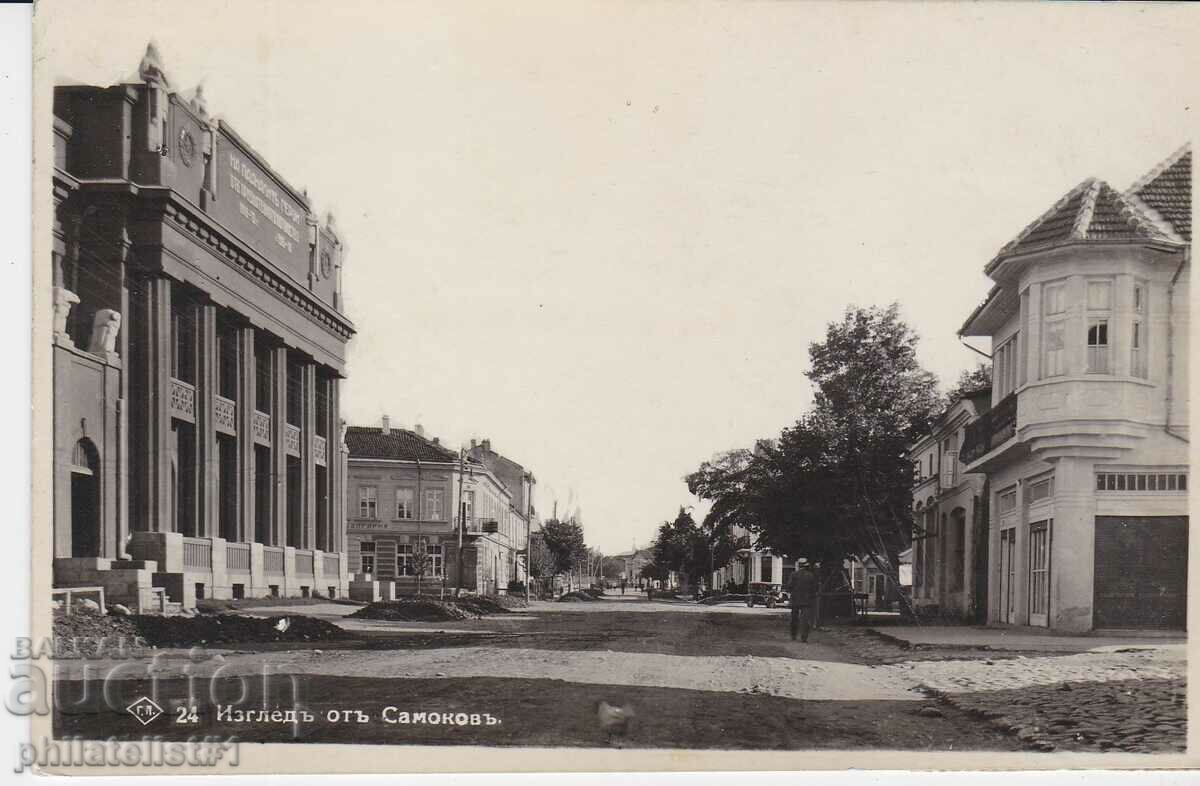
x=85 y=499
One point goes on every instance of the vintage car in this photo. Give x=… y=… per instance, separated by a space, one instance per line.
x=766 y=594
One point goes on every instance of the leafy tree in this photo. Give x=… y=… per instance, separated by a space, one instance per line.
x=681 y=546
x=969 y=382
x=541 y=563
x=837 y=483
x=422 y=562
x=564 y=541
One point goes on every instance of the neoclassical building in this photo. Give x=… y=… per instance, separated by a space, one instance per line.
x=1085 y=445
x=949 y=548
x=408 y=493
x=199 y=344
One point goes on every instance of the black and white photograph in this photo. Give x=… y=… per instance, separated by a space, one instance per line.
x=615 y=386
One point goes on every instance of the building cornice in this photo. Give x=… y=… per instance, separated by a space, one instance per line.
x=223 y=243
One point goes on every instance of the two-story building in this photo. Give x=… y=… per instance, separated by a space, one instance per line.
x=949 y=551
x=199 y=343
x=1085 y=446
x=406 y=496
x=521 y=484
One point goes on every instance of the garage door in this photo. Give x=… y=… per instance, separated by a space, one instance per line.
x=1141 y=572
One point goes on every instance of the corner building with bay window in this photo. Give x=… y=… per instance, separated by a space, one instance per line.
x=1085 y=445
x=199 y=342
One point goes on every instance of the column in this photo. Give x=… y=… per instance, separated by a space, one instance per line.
x=308 y=428
x=245 y=433
x=337 y=458
x=1033 y=334
x=207 y=460
x=1076 y=328
x=278 y=453
x=1073 y=545
x=155 y=384
x=1120 y=326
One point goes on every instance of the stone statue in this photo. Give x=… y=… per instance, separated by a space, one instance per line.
x=105 y=327
x=63 y=300
x=344 y=426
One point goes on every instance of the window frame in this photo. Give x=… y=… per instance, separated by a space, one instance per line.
x=410 y=508
x=368 y=500
x=367 y=549
x=1099 y=318
x=430 y=511
x=1057 y=320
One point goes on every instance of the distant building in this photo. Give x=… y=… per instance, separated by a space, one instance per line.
x=199 y=343
x=1085 y=446
x=761 y=566
x=405 y=497
x=522 y=485
x=949 y=552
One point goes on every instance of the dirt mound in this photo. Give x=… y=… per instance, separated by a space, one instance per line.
x=202 y=629
x=417 y=610
x=577 y=596
x=713 y=600
x=510 y=602
x=481 y=605
x=91 y=626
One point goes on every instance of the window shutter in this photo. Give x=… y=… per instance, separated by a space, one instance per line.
x=949 y=469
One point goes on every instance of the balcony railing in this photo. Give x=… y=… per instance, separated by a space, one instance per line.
x=182 y=400
x=992 y=429
x=319 y=451
x=237 y=557
x=272 y=560
x=197 y=553
x=225 y=415
x=304 y=563
x=262 y=428
x=331 y=564
x=291 y=440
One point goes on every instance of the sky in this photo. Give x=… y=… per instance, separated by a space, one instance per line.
x=603 y=235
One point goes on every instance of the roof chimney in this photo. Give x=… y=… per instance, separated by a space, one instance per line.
x=436 y=441
x=420 y=430
x=486 y=445
x=472 y=443
x=387 y=425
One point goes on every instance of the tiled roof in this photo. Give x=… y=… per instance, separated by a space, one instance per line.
x=1165 y=193
x=369 y=442
x=1093 y=211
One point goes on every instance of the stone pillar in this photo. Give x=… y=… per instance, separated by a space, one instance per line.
x=221 y=586
x=1076 y=327
x=207 y=460
x=245 y=435
x=308 y=464
x=278 y=452
x=291 y=582
x=1033 y=333
x=337 y=456
x=1020 y=570
x=257 y=585
x=156 y=380
x=1073 y=546
x=1120 y=326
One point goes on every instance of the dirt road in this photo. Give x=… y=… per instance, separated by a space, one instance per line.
x=694 y=676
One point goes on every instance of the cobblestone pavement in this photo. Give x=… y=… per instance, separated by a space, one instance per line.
x=1120 y=699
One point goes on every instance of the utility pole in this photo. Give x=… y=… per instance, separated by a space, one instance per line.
x=462 y=510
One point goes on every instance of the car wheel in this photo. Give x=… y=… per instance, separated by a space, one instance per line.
x=750 y=601
x=770 y=603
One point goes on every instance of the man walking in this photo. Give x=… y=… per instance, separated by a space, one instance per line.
x=802 y=590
